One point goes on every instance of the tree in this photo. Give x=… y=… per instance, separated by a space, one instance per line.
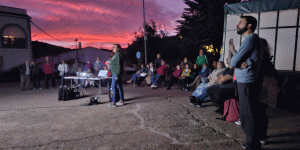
x=202 y=24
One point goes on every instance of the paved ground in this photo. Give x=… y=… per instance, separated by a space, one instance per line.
x=150 y=119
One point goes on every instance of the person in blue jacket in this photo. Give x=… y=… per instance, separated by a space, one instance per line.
x=247 y=63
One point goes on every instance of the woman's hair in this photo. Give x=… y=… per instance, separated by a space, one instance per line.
x=222 y=64
x=118 y=46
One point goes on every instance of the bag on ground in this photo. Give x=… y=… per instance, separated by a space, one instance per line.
x=231 y=110
x=63 y=94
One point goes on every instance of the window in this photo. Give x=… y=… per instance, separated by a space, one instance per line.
x=13 y=37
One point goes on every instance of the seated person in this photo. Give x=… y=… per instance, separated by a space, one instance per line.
x=160 y=72
x=202 y=74
x=140 y=73
x=184 y=77
x=225 y=89
x=175 y=76
x=89 y=82
x=184 y=62
x=200 y=94
x=150 y=74
x=77 y=81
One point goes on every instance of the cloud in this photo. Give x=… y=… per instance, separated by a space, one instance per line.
x=95 y=22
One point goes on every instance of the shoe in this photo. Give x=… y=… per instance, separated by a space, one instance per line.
x=244 y=146
x=153 y=86
x=120 y=103
x=33 y=89
x=40 y=88
x=112 y=105
x=199 y=104
x=186 y=89
x=129 y=81
x=263 y=142
x=239 y=123
x=168 y=88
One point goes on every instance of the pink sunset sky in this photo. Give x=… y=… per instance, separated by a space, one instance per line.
x=96 y=23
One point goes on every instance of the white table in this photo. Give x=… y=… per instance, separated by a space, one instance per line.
x=99 y=96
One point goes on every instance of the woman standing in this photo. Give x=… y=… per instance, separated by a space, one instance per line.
x=63 y=69
x=116 y=67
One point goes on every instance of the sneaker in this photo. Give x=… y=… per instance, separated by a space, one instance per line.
x=129 y=81
x=244 y=146
x=40 y=88
x=153 y=86
x=111 y=105
x=239 y=123
x=263 y=142
x=120 y=103
x=168 y=88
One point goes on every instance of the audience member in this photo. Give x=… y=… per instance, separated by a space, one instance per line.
x=98 y=65
x=35 y=75
x=160 y=73
x=201 y=74
x=25 y=75
x=200 y=93
x=151 y=73
x=48 y=68
x=107 y=63
x=224 y=88
x=184 y=75
x=175 y=76
x=214 y=65
x=74 y=68
x=139 y=74
x=88 y=66
x=201 y=59
x=184 y=62
x=63 y=69
x=158 y=61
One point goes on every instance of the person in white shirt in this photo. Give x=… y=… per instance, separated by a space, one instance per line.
x=63 y=69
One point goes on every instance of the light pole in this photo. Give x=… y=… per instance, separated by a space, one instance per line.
x=145 y=36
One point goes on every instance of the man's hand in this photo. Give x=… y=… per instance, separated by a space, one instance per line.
x=116 y=78
x=244 y=65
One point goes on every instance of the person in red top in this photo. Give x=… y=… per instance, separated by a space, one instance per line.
x=175 y=77
x=48 y=68
x=161 y=71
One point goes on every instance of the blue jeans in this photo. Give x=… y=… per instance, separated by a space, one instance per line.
x=134 y=76
x=203 y=96
x=116 y=86
x=62 y=79
x=155 y=78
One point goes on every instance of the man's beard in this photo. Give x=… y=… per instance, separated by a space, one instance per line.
x=242 y=30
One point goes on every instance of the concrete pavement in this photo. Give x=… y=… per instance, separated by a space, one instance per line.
x=150 y=119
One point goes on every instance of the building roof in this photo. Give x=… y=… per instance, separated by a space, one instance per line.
x=261 y=6
x=13 y=11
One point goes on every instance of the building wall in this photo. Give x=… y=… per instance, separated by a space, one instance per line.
x=279 y=29
x=14 y=57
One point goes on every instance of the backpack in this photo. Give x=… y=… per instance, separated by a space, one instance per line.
x=63 y=94
x=231 y=110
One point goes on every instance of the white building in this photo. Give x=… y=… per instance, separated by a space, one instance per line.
x=278 y=23
x=15 y=41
